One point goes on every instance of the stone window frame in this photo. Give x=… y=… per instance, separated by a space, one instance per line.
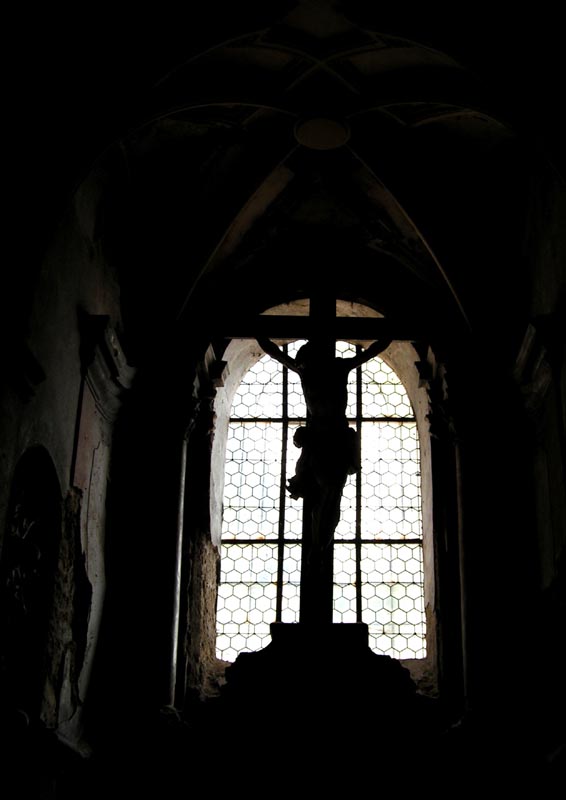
x=240 y=355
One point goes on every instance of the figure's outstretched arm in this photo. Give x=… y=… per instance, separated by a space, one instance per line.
x=275 y=352
x=373 y=350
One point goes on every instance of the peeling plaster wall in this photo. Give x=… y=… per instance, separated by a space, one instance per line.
x=200 y=648
x=50 y=406
x=69 y=622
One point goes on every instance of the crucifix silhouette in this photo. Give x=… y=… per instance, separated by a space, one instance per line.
x=329 y=450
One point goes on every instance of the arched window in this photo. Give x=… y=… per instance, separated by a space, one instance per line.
x=378 y=547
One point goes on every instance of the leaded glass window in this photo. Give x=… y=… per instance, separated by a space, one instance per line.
x=378 y=561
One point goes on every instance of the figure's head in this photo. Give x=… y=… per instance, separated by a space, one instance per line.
x=309 y=353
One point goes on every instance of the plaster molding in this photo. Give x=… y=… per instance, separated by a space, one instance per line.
x=106 y=370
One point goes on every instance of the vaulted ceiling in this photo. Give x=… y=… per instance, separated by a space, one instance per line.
x=249 y=158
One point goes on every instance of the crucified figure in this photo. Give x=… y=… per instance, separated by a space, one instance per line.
x=330 y=450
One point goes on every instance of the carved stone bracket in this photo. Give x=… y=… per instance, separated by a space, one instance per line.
x=432 y=375
x=218 y=373
x=106 y=371
x=211 y=376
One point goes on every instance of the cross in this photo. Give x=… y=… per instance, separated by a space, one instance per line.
x=329 y=446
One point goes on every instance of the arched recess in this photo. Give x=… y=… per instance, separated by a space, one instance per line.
x=240 y=355
x=27 y=582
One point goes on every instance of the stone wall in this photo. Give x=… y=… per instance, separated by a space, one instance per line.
x=61 y=394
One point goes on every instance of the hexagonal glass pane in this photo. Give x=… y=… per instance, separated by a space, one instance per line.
x=252 y=481
x=259 y=393
x=394 y=598
x=390 y=494
x=383 y=394
x=246 y=603
x=293 y=508
x=391 y=590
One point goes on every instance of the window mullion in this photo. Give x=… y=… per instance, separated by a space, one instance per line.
x=282 y=492
x=359 y=494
